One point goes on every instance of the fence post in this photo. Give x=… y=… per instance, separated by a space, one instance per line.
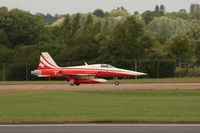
x=158 y=74
x=179 y=64
x=3 y=73
x=26 y=71
x=135 y=68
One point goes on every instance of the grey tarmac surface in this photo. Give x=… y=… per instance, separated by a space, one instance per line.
x=102 y=128
x=101 y=86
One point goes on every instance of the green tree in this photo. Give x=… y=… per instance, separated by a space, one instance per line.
x=119 y=12
x=75 y=24
x=4 y=38
x=157 y=8
x=180 y=14
x=84 y=46
x=166 y=27
x=192 y=8
x=197 y=52
x=6 y=54
x=180 y=47
x=148 y=16
x=126 y=41
x=22 y=27
x=162 y=9
x=194 y=29
x=99 y=13
x=195 y=11
x=66 y=29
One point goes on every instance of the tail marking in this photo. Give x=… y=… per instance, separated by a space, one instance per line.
x=46 y=62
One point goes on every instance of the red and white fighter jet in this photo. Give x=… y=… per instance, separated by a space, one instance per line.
x=76 y=75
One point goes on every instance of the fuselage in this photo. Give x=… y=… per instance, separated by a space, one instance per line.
x=96 y=70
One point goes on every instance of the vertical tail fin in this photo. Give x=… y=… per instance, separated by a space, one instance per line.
x=46 y=62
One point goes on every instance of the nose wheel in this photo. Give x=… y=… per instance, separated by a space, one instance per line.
x=116 y=82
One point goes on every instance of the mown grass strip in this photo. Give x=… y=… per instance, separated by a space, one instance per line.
x=100 y=106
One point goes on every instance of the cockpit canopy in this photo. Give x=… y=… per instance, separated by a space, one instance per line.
x=106 y=66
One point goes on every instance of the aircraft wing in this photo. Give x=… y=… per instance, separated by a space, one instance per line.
x=80 y=75
x=74 y=73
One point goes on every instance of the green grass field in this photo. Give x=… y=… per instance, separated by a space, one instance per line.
x=100 y=106
x=161 y=80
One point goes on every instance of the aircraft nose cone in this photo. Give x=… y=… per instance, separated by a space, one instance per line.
x=131 y=73
x=134 y=73
x=140 y=74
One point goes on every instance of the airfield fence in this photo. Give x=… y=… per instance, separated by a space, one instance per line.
x=155 y=69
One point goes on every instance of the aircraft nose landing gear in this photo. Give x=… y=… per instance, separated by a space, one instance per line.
x=116 y=81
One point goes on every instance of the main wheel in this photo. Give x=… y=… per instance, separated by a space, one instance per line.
x=77 y=84
x=71 y=84
x=116 y=82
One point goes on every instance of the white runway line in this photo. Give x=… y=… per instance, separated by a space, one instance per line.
x=101 y=125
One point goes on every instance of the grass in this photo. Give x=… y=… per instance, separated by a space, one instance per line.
x=161 y=80
x=100 y=106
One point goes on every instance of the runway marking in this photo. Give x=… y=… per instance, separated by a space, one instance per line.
x=102 y=125
x=38 y=87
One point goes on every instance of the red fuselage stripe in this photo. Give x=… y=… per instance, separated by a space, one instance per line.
x=84 y=71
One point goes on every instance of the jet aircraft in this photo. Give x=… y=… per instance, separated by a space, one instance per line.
x=84 y=74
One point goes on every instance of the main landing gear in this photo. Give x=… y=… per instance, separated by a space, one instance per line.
x=77 y=84
x=73 y=83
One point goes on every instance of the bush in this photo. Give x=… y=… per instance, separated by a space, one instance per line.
x=187 y=72
x=163 y=69
x=16 y=71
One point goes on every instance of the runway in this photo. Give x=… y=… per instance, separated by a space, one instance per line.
x=102 y=128
x=83 y=87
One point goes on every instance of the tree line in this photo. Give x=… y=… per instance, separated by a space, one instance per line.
x=158 y=42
